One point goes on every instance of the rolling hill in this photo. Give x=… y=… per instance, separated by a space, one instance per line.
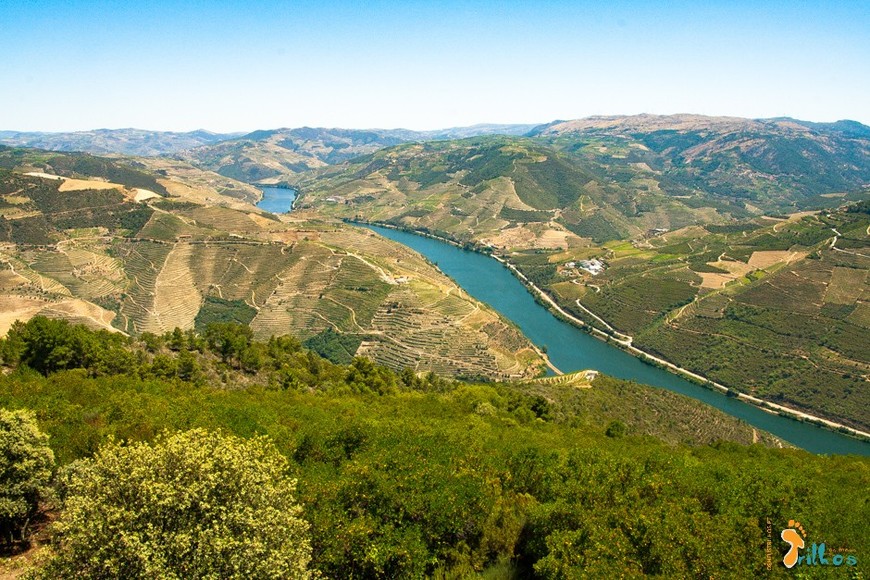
x=774 y=307
x=713 y=256
x=268 y=157
x=104 y=254
x=594 y=180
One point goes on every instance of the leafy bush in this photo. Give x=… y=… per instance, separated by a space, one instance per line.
x=26 y=463
x=197 y=504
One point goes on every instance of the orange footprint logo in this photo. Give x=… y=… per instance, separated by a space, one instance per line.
x=794 y=534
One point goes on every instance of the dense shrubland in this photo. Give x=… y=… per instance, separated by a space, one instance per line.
x=398 y=475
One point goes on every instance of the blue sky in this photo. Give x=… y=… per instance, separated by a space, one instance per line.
x=234 y=66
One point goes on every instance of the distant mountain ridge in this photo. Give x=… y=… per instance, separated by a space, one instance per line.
x=271 y=156
x=689 y=122
x=768 y=163
x=336 y=144
x=140 y=142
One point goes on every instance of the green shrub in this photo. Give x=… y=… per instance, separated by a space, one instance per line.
x=197 y=504
x=26 y=463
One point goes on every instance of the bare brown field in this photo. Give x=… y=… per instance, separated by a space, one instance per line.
x=10 y=279
x=70 y=184
x=737 y=269
x=176 y=301
x=518 y=236
x=714 y=280
x=144 y=194
x=43 y=175
x=767 y=258
x=23 y=308
x=14 y=308
x=552 y=238
x=225 y=219
x=81 y=312
x=686 y=233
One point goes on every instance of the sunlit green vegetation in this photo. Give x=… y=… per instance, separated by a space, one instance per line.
x=26 y=464
x=215 y=309
x=403 y=476
x=789 y=327
x=195 y=505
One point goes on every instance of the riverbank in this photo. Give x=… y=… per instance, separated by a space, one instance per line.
x=624 y=343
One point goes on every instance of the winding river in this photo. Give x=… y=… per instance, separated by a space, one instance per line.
x=571 y=349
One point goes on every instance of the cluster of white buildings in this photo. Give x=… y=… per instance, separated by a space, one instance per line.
x=593 y=266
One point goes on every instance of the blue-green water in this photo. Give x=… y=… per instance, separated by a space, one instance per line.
x=277 y=199
x=571 y=349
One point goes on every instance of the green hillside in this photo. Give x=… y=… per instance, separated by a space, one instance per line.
x=599 y=179
x=771 y=307
x=401 y=476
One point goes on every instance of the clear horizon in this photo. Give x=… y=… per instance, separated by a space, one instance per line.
x=79 y=65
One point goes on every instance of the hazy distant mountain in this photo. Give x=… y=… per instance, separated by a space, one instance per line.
x=475 y=131
x=121 y=141
x=764 y=162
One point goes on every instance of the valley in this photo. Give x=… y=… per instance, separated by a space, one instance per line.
x=441 y=290
x=571 y=347
x=693 y=279
x=682 y=236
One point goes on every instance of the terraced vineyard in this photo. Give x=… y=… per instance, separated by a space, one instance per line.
x=772 y=307
x=299 y=276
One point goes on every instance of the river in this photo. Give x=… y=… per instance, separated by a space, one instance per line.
x=277 y=199
x=571 y=349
